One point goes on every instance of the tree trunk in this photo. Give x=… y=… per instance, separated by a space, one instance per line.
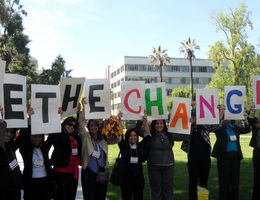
x=161 y=73
x=191 y=80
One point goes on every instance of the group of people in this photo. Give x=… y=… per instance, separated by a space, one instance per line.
x=81 y=144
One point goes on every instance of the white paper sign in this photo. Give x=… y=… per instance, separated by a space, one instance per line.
x=132 y=99
x=98 y=104
x=180 y=116
x=15 y=110
x=207 y=103
x=155 y=101
x=70 y=90
x=234 y=102
x=2 y=73
x=45 y=101
x=256 y=91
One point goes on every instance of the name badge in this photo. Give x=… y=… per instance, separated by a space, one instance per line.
x=233 y=138
x=134 y=160
x=38 y=163
x=74 y=151
x=13 y=164
x=96 y=154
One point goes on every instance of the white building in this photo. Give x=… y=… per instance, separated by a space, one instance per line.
x=175 y=74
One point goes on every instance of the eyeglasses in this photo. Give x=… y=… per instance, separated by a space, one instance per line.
x=73 y=125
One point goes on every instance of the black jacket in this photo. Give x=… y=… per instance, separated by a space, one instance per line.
x=62 y=148
x=253 y=141
x=9 y=178
x=26 y=150
x=219 y=149
x=132 y=169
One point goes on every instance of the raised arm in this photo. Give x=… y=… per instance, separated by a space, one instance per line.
x=246 y=128
x=82 y=122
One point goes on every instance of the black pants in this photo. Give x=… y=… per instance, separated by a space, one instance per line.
x=198 y=175
x=132 y=189
x=228 y=175
x=256 y=164
x=37 y=188
x=161 y=182
x=10 y=193
x=66 y=186
x=92 y=190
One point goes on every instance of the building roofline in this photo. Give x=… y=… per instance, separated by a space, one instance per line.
x=172 y=58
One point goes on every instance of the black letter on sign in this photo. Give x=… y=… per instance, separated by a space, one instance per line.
x=67 y=98
x=45 y=102
x=93 y=99
x=9 y=113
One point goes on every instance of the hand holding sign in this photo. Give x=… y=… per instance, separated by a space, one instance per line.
x=1 y=113
x=60 y=111
x=120 y=115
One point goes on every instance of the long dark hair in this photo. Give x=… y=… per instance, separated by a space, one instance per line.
x=153 y=130
x=128 y=134
x=67 y=121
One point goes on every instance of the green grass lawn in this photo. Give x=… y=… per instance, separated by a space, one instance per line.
x=181 y=173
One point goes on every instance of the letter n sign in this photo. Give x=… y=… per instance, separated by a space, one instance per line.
x=256 y=91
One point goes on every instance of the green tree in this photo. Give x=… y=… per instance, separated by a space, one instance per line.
x=53 y=75
x=13 y=43
x=178 y=92
x=159 y=58
x=3 y=13
x=188 y=47
x=234 y=59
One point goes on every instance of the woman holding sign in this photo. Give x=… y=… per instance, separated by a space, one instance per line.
x=37 y=169
x=255 y=143
x=94 y=174
x=160 y=160
x=228 y=152
x=10 y=174
x=132 y=153
x=66 y=158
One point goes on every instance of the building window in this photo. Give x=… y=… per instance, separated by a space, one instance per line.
x=122 y=68
x=122 y=79
x=142 y=67
x=150 y=68
x=168 y=80
x=184 y=68
x=176 y=80
x=204 y=81
x=118 y=71
x=112 y=75
x=202 y=69
x=196 y=80
x=176 y=68
x=112 y=85
x=118 y=82
x=185 y=80
x=210 y=69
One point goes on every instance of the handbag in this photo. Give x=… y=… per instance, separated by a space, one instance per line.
x=117 y=175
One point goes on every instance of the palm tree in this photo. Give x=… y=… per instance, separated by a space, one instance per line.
x=159 y=59
x=188 y=47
